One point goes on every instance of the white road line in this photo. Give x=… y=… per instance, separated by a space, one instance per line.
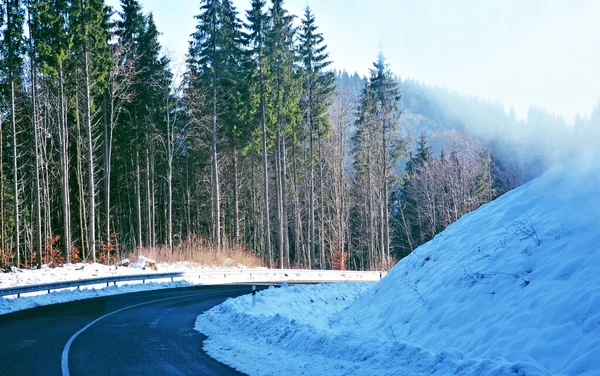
x=65 y=353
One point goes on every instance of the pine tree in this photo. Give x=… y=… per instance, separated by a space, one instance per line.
x=130 y=29
x=386 y=95
x=235 y=97
x=154 y=98
x=52 y=47
x=211 y=50
x=282 y=57
x=364 y=142
x=257 y=26
x=91 y=34
x=318 y=90
x=13 y=48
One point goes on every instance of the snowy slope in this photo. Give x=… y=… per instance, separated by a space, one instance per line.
x=512 y=288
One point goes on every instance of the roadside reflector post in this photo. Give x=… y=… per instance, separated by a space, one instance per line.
x=253 y=295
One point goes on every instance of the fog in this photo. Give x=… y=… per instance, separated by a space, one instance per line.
x=531 y=145
x=526 y=146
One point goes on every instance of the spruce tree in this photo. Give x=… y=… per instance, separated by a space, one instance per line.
x=13 y=48
x=130 y=29
x=285 y=94
x=91 y=34
x=52 y=48
x=235 y=98
x=318 y=90
x=210 y=55
x=257 y=26
x=364 y=142
x=386 y=95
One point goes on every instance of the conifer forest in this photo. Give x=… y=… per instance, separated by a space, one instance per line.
x=108 y=147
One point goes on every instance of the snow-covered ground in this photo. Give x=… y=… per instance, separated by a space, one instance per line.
x=512 y=288
x=190 y=274
x=79 y=271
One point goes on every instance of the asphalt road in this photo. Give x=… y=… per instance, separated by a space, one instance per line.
x=144 y=333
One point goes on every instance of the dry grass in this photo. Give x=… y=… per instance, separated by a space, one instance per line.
x=202 y=252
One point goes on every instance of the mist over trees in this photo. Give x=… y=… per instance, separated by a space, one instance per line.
x=108 y=148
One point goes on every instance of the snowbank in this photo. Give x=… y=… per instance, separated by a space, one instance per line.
x=8 y=305
x=72 y=272
x=512 y=288
x=79 y=271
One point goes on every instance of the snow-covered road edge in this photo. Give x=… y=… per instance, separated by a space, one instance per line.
x=297 y=331
x=8 y=305
x=184 y=275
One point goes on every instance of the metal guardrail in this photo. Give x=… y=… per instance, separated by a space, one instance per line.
x=211 y=277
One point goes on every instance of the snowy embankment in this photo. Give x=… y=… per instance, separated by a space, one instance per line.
x=512 y=288
x=187 y=274
x=80 y=271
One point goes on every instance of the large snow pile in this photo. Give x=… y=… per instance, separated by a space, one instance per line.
x=512 y=288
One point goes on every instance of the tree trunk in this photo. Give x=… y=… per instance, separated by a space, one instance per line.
x=15 y=173
x=322 y=214
x=149 y=207
x=279 y=197
x=312 y=199
x=386 y=219
x=38 y=206
x=90 y=155
x=170 y=154
x=370 y=214
x=215 y=166
x=154 y=226
x=64 y=162
x=286 y=238
x=265 y=167
x=79 y=175
x=2 y=221
x=138 y=196
x=236 y=198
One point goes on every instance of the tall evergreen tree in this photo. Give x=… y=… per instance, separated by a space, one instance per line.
x=318 y=90
x=257 y=26
x=235 y=97
x=53 y=46
x=285 y=92
x=13 y=48
x=212 y=47
x=130 y=29
x=91 y=19
x=386 y=95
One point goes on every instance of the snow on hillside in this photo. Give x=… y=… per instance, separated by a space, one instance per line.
x=512 y=288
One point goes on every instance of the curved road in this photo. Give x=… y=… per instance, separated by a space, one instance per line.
x=144 y=333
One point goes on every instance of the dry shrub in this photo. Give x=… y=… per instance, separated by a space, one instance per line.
x=53 y=257
x=107 y=252
x=338 y=259
x=74 y=254
x=383 y=265
x=6 y=259
x=202 y=252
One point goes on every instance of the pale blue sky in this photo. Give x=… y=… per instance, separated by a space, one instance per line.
x=520 y=52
